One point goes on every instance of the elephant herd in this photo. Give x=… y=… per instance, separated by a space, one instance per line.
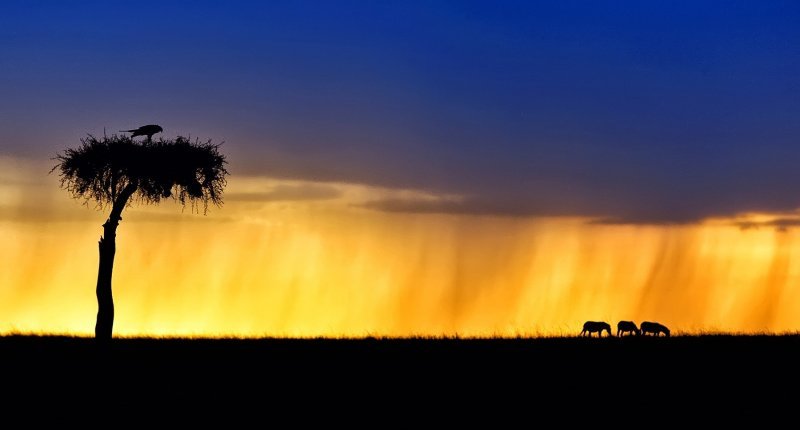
x=647 y=328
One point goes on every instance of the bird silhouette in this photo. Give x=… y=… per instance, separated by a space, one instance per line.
x=145 y=130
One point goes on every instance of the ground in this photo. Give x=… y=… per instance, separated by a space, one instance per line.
x=518 y=376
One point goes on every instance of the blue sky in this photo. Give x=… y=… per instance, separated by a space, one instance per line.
x=623 y=110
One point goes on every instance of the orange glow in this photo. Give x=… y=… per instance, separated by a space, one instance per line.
x=326 y=267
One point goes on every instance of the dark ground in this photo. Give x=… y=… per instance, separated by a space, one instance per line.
x=447 y=377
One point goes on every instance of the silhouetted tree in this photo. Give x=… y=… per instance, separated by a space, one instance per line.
x=115 y=171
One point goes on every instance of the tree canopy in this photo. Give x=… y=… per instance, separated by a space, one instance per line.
x=148 y=171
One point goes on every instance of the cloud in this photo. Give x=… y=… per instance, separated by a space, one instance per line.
x=779 y=224
x=431 y=204
x=607 y=200
x=416 y=206
x=283 y=192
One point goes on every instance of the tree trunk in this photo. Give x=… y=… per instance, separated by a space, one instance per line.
x=107 y=247
x=105 y=301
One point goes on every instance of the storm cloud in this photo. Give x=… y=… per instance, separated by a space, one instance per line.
x=282 y=193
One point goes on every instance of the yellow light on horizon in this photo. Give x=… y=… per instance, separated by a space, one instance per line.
x=328 y=267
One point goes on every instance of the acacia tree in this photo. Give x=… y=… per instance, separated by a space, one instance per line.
x=116 y=171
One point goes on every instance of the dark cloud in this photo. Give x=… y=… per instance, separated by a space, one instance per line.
x=604 y=203
x=780 y=224
x=288 y=193
x=422 y=206
x=468 y=206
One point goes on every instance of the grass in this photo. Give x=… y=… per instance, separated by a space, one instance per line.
x=377 y=372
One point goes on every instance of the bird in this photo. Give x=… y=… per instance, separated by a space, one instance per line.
x=145 y=130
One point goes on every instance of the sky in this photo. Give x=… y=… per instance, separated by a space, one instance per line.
x=455 y=122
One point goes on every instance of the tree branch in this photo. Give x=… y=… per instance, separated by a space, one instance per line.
x=121 y=201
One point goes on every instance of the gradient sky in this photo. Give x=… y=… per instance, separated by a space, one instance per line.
x=413 y=167
x=627 y=111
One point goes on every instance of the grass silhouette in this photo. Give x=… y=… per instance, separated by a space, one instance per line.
x=446 y=381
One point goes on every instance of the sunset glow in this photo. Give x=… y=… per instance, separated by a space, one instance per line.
x=300 y=266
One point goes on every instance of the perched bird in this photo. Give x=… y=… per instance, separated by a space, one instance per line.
x=145 y=130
